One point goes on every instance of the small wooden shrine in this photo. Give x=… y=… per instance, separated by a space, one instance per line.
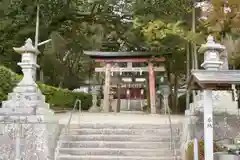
x=125 y=78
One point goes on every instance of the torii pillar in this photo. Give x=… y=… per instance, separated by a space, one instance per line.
x=106 y=97
x=152 y=88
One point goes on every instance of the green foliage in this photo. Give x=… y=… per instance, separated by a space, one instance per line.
x=190 y=153
x=63 y=98
x=221 y=21
x=170 y=10
x=232 y=45
x=106 y=25
x=83 y=24
x=158 y=33
x=56 y=97
x=7 y=81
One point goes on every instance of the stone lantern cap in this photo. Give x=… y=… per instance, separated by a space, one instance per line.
x=211 y=45
x=27 y=48
x=214 y=80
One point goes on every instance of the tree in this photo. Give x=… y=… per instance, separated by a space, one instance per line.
x=233 y=49
x=106 y=25
x=222 y=17
x=85 y=25
x=166 y=29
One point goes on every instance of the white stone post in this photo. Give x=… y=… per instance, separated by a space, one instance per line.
x=195 y=149
x=212 y=61
x=94 y=96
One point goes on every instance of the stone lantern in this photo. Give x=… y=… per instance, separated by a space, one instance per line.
x=208 y=82
x=211 y=52
x=165 y=91
x=94 y=107
x=211 y=62
x=213 y=82
x=26 y=97
x=26 y=113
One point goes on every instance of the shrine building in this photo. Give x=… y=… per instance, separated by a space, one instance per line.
x=130 y=77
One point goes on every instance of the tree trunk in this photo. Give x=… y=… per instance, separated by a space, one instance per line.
x=148 y=95
x=60 y=85
x=188 y=75
x=168 y=68
x=175 y=94
x=193 y=67
x=41 y=76
x=118 y=98
x=171 y=104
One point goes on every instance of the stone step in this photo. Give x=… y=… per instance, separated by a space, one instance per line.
x=117 y=152
x=70 y=157
x=109 y=131
x=101 y=137
x=115 y=144
x=123 y=126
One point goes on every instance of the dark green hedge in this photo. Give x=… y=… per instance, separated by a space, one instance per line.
x=58 y=98
x=7 y=81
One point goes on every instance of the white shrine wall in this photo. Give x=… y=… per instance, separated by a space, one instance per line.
x=134 y=105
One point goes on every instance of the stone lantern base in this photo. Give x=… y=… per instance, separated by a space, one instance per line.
x=26 y=102
x=25 y=114
x=95 y=109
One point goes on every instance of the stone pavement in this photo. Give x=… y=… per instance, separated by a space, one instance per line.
x=124 y=117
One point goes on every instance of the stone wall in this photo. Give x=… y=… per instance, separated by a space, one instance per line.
x=224 y=124
x=226 y=127
x=29 y=140
x=53 y=137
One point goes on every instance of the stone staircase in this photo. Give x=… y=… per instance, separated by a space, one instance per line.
x=116 y=141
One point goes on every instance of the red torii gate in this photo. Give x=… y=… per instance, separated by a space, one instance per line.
x=129 y=57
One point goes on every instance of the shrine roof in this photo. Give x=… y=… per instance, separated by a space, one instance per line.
x=215 y=80
x=99 y=54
